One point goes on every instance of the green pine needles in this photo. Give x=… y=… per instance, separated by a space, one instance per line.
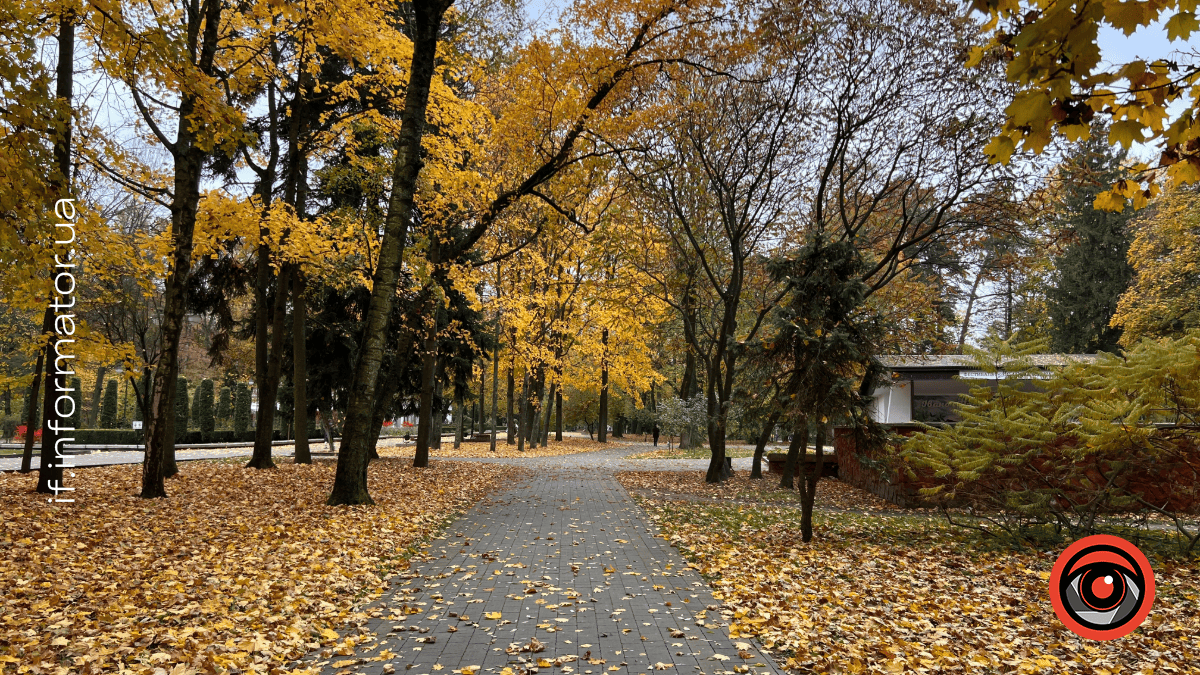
x=108 y=408
x=203 y=406
x=241 y=409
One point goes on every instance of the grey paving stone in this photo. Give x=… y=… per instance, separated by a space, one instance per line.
x=566 y=557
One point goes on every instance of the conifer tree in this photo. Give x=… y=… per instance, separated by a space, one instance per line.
x=225 y=404
x=108 y=411
x=241 y=409
x=203 y=404
x=181 y=408
x=1093 y=271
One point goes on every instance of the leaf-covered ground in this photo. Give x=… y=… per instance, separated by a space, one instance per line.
x=909 y=594
x=831 y=494
x=567 y=446
x=693 y=453
x=238 y=570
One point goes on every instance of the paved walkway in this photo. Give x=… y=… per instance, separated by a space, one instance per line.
x=566 y=559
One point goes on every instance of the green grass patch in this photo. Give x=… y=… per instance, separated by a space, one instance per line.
x=693 y=453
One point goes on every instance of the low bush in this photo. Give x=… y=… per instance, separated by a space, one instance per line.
x=135 y=437
x=1109 y=438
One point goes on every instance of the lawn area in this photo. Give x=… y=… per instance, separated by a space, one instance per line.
x=236 y=570
x=831 y=493
x=567 y=446
x=694 y=453
x=874 y=593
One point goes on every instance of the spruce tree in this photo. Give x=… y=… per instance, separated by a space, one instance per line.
x=108 y=409
x=181 y=408
x=241 y=409
x=1093 y=271
x=225 y=405
x=203 y=405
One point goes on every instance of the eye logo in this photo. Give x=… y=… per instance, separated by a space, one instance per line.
x=1102 y=587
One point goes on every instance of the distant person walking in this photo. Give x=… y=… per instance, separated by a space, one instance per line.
x=655 y=432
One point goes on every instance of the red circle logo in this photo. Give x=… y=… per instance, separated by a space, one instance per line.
x=1102 y=587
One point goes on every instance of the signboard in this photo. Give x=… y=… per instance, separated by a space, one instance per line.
x=1001 y=374
x=935 y=409
x=137 y=424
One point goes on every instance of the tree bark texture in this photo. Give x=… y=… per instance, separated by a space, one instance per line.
x=31 y=419
x=189 y=161
x=798 y=447
x=268 y=387
x=761 y=445
x=510 y=426
x=350 y=481
x=809 y=495
x=300 y=366
x=602 y=424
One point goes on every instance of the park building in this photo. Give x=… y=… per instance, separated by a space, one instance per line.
x=924 y=388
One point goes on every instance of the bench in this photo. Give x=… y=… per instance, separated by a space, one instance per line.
x=776 y=461
x=479 y=437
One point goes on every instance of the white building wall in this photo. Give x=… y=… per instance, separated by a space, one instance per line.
x=893 y=405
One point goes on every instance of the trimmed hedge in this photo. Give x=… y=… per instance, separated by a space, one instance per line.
x=241 y=408
x=135 y=437
x=202 y=404
x=181 y=408
x=108 y=408
x=225 y=404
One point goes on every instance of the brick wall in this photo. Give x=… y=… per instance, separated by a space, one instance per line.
x=895 y=488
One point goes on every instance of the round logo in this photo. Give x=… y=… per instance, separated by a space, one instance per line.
x=1102 y=587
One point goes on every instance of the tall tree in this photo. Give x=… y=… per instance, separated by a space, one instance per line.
x=350 y=481
x=181 y=57
x=1164 y=298
x=1093 y=271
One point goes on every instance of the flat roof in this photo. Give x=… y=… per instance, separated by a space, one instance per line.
x=965 y=361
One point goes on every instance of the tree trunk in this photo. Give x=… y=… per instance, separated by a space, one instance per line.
x=521 y=413
x=602 y=424
x=495 y=375
x=809 y=495
x=761 y=445
x=50 y=471
x=386 y=386
x=717 y=471
x=966 y=326
x=482 y=394
x=558 y=416
x=549 y=411
x=439 y=416
x=268 y=388
x=687 y=389
x=350 y=482
x=509 y=427
x=92 y=419
x=189 y=158
x=798 y=447
x=300 y=367
x=31 y=419
x=459 y=418
x=326 y=414
x=534 y=423
x=50 y=467
x=428 y=361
